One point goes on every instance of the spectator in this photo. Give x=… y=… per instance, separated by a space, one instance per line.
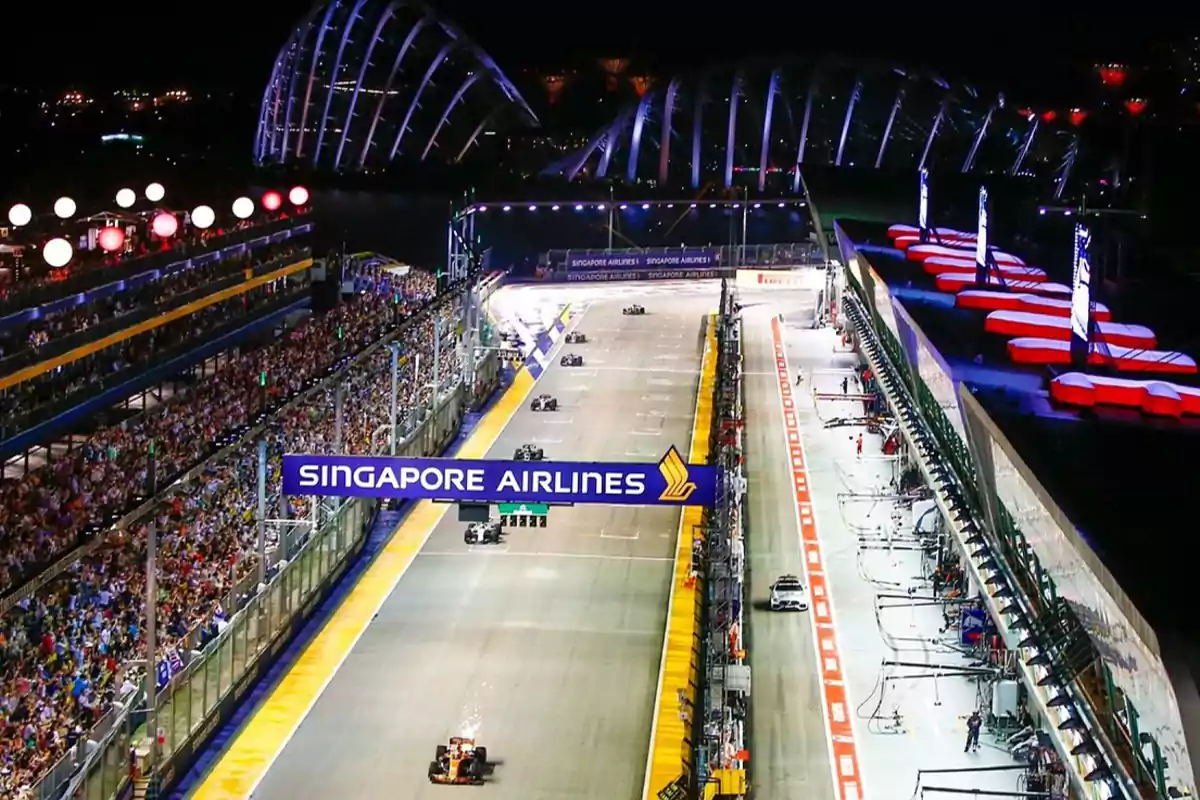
x=66 y=651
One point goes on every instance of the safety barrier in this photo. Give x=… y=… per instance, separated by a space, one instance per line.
x=670 y=763
x=201 y=698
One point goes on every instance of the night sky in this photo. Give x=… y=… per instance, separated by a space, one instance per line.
x=231 y=43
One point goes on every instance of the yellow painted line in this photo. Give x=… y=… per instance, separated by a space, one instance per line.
x=41 y=368
x=679 y=672
x=243 y=766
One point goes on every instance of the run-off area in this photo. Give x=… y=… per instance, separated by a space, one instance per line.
x=545 y=647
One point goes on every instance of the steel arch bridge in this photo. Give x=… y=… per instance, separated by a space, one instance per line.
x=360 y=83
x=768 y=118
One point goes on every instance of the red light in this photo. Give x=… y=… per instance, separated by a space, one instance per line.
x=1078 y=115
x=1135 y=106
x=164 y=225
x=1049 y=116
x=1026 y=112
x=111 y=239
x=1112 y=75
x=271 y=201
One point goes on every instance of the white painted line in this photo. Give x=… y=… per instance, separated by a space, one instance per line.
x=646 y=433
x=651 y=370
x=604 y=534
x=558 y=421
x=580 y=388
x=540 y=440
x=483 y=551
x=657 y=398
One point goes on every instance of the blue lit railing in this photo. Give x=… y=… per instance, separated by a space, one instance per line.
x=104 y=282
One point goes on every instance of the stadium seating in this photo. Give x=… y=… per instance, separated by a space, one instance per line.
x=66 y=649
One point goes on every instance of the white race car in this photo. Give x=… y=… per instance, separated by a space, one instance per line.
x=789 y=594
x=489 y=532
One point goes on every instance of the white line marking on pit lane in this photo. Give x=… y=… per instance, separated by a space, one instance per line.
x=604 y=534
x=663 y=382
x=557 y=421
x=646 y=433
x=640 y=455
x=652 y=370
x=657 y=398
x=526 y=554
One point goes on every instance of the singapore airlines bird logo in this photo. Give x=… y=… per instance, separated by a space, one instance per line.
x=675 y=473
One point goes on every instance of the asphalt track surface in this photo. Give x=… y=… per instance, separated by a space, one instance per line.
x=789 y=749
x=547 y=646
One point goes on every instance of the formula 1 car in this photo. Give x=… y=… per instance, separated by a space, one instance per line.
x=528 y=452
x=575 y=337
x=571 y=360
x=460 y=763
x=489 y=532
x=634 y=310
x=544 y=402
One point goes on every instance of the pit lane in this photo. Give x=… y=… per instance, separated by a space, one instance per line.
x=547 y=646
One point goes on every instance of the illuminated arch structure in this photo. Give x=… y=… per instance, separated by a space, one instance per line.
x=764 y=119
x=360 y=83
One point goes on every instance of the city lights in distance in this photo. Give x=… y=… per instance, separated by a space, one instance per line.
x=57 y=252
x=243 y=208
x=164 y=225
x=271 y=201
x=298 y=196
x=126 y=198
x=20 y=215
x=155 y=192
x=111 y=239
x=64 y=208
x=203 y=217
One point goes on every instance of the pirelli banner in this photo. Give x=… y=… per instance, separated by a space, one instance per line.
x=781 y=278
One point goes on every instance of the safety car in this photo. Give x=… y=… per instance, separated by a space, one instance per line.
x=571 y=360
x=789 y=594
x=575 y=337
x=460 y=762
x=634 y=310
x=528 y=452
x=489 y=532
x=544 y=402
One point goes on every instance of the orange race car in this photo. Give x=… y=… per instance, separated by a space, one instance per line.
x=459 y=762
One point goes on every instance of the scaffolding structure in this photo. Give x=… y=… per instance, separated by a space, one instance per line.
x=720 y=558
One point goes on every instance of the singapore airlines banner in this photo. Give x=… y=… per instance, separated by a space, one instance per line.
x=671 y=481
x=626 y=265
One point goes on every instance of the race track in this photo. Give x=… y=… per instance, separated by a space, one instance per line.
x=547 y=646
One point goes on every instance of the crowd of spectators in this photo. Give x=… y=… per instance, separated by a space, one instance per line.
x=64 y=650
x=100 y=369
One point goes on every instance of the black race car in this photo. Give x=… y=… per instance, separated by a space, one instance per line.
x=571 y=360
x=528 y=452
x=544 y=402
x=634 y=310
x=488 y=532
x=575 y=337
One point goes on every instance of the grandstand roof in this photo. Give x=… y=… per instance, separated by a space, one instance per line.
x=764 y=117
x=360 y=83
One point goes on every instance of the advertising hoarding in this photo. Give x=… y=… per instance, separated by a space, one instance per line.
x=670 y=481
x=605 y=276
x=683 y=258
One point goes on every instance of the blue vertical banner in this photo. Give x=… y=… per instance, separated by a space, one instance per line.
x=981 y=241
x=1081 y=296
